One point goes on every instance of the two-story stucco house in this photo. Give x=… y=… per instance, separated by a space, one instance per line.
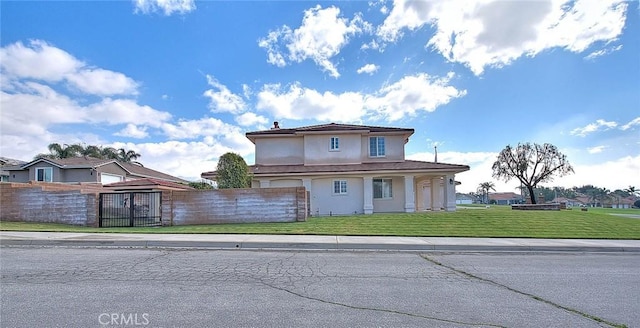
x=350 y=169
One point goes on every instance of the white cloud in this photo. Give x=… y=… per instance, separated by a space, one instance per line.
x=602 y=52
x=34 y=108
x=596 y=149
x=494 y=33
x=167 y=7
x=593 y=127
x=37 y=60
x=632 y=123
x=613 y=174
x=133 y=131
x=368 y=69
x=320 y=37
x=297 y=102
x=411 y=94
x=184 y=159
x=102 y=82
x=192 y=129
x=251 y=119
x=41 y=61
x=123 y=111
x=222 y=99
x=392 y=102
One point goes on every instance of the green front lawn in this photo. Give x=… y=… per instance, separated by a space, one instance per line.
x=496 y=221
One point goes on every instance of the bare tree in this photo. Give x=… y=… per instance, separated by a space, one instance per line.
x=531 y=164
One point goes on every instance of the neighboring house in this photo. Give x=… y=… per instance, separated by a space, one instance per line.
x=464 y=199
x=351 y=169
x=570 y=202
x=505 y=198
x=83 y=169
x=8 y=162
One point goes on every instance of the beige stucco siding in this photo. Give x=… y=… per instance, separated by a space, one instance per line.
x=394 y=149
x=325 y=202
x=395 y=203
x=279 y=151
x=317 y=149
x=286 y=183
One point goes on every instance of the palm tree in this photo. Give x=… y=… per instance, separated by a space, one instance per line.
x=633 y=191
x=91 y=151
x=484 y=187
x=128 y=156
x=57 y=151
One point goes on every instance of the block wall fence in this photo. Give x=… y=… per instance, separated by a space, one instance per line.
x=78 y=204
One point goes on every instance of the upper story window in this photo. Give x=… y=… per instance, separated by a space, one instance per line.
x=376 y=147
x=340 y=187
x=44 y=174
x=334 y=144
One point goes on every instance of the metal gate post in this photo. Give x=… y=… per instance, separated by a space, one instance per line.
x=100 y=211
x=131 y=208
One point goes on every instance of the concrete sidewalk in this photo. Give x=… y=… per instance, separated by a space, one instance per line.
x=311 y=242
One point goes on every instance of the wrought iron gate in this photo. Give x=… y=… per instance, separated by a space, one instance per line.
x=130 y=209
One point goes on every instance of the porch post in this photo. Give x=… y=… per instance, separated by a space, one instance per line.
x=368 y=195
x=435 y=193
x=306 y=182
x=449 y=193
x=409 y=194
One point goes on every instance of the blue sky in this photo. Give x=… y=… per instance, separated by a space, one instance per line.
x=181 y=81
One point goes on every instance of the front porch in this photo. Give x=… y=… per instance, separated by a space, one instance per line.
x=373 y=193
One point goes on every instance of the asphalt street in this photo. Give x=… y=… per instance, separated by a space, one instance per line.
x=104 y=287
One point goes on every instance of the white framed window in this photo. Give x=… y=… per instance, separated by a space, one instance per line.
x=340 y=187
x=44 y=174
x=376 y=147
x=382 y=188
x=334 y=144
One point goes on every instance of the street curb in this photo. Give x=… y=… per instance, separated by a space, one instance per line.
x=220 y=245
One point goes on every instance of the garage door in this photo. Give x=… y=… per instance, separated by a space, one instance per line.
x=106 y=178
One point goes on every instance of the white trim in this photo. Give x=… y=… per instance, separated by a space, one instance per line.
x=342 y=183
x=44 y=175
x=384 y=147
x=337 y=143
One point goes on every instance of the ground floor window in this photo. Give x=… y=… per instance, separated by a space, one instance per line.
x=382 y=188
x=339 y=187
x=44 y=174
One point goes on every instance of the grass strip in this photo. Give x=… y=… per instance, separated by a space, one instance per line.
x=496 y=222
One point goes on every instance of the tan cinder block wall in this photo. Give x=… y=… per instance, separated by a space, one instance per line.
x=234 y=206
x=54 y=203
x=78 y=204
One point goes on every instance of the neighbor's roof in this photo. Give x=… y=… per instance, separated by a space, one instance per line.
x=388 y=167
x=90 y=162
x=10 y=161
x=148 y=183
x=504 y=196
x=331 y=127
